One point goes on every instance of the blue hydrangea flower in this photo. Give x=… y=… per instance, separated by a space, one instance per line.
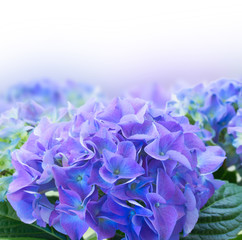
x=4 y=184
x=127 y=166
x=45 y=93
x=15 y=126
x=13 y=133
x=235 y=129
x=49 y=93
x=24 y=105
x=215 y=108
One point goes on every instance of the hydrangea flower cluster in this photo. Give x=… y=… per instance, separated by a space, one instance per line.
x=125 y=167
x=26 y=105
x=15 y=126
x=48 y=93
x=13 y=133
x=216 y=108
x=235 y=131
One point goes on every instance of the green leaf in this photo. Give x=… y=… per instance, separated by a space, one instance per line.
x=12 y=228
x=221 y=217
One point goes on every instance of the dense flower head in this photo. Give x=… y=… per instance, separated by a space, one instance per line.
x=13 y=133
x=48 y=93
x=21 y=109
x=125 y=167
x=43 y=92
x=16 y=124
x=215 y=108
x=235 y=131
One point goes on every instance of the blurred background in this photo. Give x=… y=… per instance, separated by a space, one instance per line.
x=120 y=44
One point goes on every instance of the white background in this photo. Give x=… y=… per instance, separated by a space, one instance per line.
x=117 y=44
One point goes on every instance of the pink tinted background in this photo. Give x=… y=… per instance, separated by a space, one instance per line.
x=117 y=45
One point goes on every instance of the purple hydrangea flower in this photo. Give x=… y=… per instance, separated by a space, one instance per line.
x=215 y=108
x=13 y=133
x=16 y=125
x=127 y=166
x=23 y=107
